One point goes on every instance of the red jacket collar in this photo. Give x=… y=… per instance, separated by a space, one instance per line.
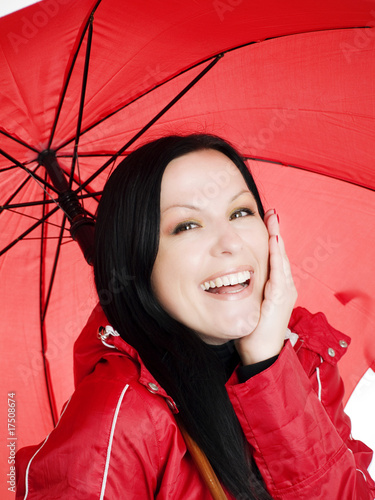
x=89 y=350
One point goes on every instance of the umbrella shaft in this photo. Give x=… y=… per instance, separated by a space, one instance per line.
x=48 y=159
x=82 y=227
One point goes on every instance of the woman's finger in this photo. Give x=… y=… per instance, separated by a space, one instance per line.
x=277 y=274
x=272 y=222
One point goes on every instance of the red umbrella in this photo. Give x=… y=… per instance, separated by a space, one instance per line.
x=82 y=83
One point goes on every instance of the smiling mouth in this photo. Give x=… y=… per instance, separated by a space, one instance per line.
x=228 y=284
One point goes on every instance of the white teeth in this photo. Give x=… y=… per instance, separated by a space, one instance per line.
x=228 y=279
x=218 y=282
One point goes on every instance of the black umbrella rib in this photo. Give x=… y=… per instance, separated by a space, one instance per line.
x=33 y=218
x=70 y=72
x=82 y=101
x=63 y=145
x=36 y=177
x=253 y=42
x=6 y=169
x=28 y=231
x=67 y=238
x=86 y=155
x=46 y=202
x=92 y=194
x=21 y=186
x=53 y=272
x=152 y=121
x=29 y=172
x=307 y=169
x=26 y=204
x=87 y=212
x=43 y=337
x=19 y=141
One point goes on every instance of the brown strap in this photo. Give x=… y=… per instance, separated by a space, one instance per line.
x=204 y=466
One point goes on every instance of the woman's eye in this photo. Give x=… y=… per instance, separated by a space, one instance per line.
x=241 y=212
x=185 y=226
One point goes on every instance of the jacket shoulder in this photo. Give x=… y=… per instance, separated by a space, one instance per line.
x=112 y=428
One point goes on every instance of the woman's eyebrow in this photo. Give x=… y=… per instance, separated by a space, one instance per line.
x=240 y=193
x=178 y=205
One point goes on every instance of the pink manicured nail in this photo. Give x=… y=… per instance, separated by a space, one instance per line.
x=277 y=238
x=278 y=218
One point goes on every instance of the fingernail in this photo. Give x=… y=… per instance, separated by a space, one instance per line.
x=277 y=238
x=278 y=218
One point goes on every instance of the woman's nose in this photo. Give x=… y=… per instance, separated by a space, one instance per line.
x=226 y=241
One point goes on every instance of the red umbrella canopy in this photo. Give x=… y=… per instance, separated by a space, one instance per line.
x=290 y=84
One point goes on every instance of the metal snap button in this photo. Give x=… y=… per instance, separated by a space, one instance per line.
x=331 y=352
x=171 y=405
x=152 y=387
x=343 y=343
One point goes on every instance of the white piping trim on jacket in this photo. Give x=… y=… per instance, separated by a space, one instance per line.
x=37 y=451
x=363 y=474
x=319 y=382
x=109 y=449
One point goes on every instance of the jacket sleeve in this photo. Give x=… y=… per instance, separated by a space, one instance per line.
x=300 y=440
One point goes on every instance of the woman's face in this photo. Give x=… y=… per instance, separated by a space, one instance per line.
x=212 y=262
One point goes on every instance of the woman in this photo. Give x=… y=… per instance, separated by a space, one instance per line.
x=194 y=278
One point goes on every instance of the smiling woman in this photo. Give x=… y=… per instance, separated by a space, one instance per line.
x=206 y=384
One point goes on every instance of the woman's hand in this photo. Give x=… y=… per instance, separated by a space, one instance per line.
x=280 y=295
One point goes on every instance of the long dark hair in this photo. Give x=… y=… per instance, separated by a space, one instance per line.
x=127 y=238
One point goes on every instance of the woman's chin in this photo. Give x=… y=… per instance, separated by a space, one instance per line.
x=235 y=329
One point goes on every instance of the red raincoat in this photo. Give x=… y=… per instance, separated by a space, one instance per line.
x=117 y=436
